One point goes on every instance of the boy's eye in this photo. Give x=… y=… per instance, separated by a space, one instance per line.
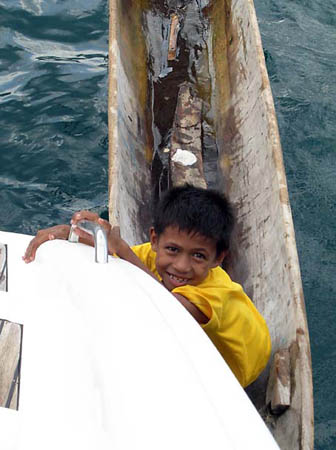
x=172 y=249
x=199 y=255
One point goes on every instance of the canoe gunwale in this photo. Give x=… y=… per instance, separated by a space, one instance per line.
x=304 y=369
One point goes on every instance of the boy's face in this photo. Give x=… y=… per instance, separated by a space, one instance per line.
x=183 y=258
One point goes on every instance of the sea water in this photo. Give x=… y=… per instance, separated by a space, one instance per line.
x=53 y=110
x=53 y=136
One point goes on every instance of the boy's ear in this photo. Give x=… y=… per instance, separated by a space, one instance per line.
x=153 y=238
x=220 y=258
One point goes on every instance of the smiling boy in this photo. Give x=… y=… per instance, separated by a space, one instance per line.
x=188 y=241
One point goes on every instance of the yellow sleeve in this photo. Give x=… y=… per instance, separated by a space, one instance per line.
x=235 y=326
x=145 y=253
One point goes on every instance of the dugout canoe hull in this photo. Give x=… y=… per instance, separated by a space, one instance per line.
x=192 y=76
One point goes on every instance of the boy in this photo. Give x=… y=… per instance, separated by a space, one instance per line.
x=188 y=242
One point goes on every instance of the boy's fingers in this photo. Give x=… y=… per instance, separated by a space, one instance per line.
x=115 y=231
x=105 y=224
x=30 y=252
x=34 y=244
x=27 y=259
x=81 y=233
x=81 y=215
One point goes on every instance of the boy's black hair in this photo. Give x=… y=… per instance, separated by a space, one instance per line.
x=193 y=209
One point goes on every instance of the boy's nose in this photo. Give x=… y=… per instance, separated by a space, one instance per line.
x=182 y=264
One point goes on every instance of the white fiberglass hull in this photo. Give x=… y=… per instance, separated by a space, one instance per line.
x=111 y=361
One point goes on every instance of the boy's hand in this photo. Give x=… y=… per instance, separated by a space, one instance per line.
x=87 y=215
x=115 y=242
x=113 y=233
x=49 y=234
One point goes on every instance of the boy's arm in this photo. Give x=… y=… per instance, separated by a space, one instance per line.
x=49 y=234
x=120 y=247
x=192 y=309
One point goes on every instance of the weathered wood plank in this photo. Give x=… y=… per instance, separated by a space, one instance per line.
x=186 y=163
x=278 y=394
x=174 y=29
x=10 y=347
x=13 y=402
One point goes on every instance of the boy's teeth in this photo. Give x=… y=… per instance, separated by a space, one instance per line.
x=178 y=279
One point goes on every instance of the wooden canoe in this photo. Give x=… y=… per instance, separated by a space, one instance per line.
x=190 y=100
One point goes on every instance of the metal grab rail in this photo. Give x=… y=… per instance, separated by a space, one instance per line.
x=100 y=239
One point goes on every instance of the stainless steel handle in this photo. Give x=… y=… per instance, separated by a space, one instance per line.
x=100 y=239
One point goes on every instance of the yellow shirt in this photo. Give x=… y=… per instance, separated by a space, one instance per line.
x=235 y=326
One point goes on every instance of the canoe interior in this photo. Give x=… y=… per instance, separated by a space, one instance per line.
x=218 y=55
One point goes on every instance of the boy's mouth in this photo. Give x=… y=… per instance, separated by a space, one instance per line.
x=178 y=281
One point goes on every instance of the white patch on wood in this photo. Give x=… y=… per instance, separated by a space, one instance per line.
x=184 y=157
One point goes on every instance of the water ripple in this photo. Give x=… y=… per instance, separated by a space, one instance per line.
x=53 y=85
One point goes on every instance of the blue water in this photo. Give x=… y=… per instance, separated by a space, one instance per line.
x=53 y=139
x=53 y=110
